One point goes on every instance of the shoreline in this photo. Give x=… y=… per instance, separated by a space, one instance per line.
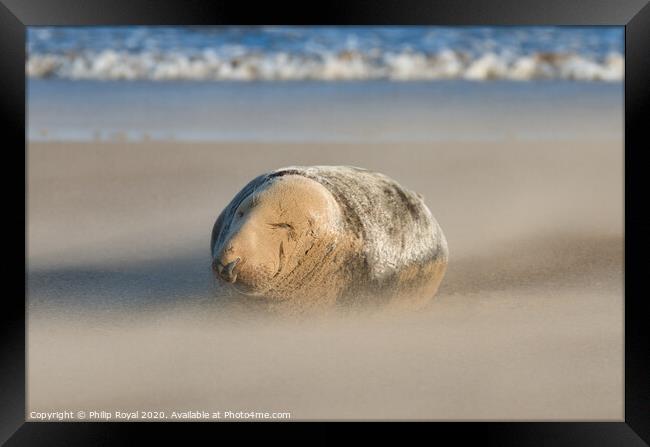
x=360 y=112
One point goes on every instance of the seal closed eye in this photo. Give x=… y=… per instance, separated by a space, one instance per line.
x=329 y=235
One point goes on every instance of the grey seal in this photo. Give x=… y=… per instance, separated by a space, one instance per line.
x=328 y=235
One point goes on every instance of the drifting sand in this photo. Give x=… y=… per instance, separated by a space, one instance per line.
x=528 y=323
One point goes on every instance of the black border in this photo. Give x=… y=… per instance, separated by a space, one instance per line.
x=15 y=15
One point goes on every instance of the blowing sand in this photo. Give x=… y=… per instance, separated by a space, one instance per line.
x=527 y=324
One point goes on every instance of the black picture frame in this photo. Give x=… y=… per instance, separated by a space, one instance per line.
x=634 y=15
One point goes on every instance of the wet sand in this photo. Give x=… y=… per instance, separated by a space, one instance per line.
x=528 y=323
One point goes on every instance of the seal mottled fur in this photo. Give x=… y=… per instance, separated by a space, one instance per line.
x=328 y=235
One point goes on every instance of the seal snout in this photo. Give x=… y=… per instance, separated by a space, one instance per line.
x=226 y=272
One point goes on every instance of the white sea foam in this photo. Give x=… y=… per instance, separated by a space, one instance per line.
x=344 y=65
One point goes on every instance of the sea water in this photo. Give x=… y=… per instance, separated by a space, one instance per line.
x=406 y=53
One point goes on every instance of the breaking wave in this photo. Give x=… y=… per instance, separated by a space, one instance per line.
x=325 y=53
x=346 y=65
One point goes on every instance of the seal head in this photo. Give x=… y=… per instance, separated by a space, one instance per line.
x=270 y=233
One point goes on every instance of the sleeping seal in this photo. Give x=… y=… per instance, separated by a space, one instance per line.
x=328 y=235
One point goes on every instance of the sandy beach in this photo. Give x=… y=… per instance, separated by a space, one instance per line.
x=527 y=325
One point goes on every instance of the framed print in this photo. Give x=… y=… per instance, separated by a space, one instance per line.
x=419 y=212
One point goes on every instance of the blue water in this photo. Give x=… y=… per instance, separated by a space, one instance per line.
x=328 y=53
x=588 y=41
